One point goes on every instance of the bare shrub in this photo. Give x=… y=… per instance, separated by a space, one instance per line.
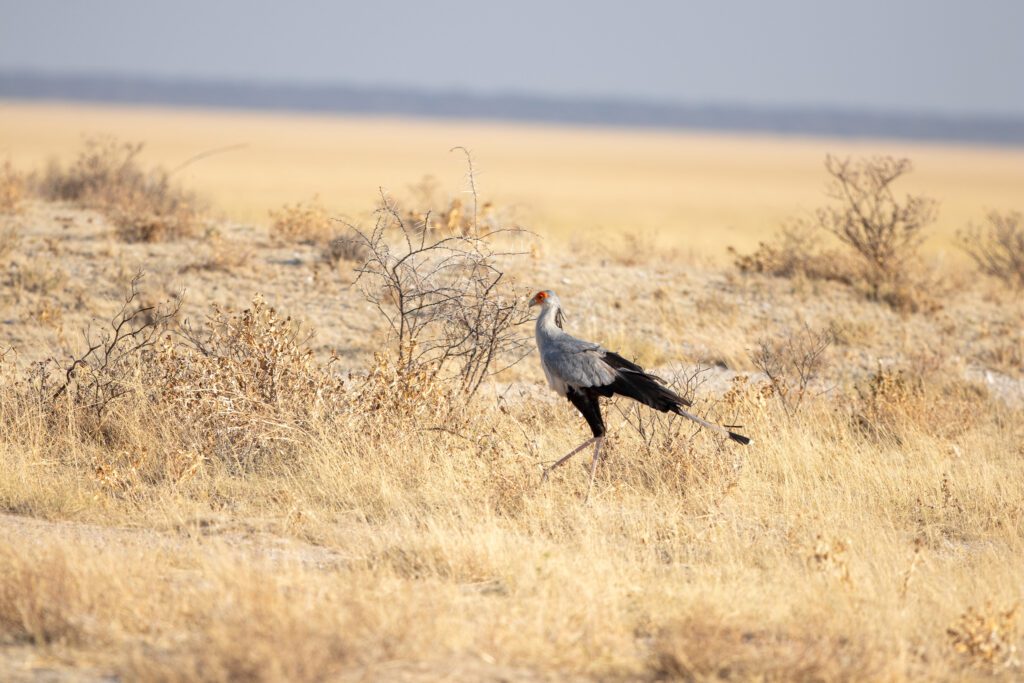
x=882 y=229
x=882 y=232
x=13 y=189
x=792 y=362
x=998 y=247
x=443 y=296
x=676 y=452
x=661 y=431
x=109 y=366
x=305 y=222
x=145 y=205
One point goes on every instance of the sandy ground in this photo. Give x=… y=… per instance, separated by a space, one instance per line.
x=673 y=311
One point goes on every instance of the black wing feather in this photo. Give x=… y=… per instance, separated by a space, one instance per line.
x=633 y=381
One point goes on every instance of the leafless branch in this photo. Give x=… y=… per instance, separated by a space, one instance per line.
x=792 y=362
x=998 y=248
x=443 y=295
x=99 y=373
x=868 y=216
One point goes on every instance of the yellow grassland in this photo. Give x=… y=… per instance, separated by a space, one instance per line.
x=698 y=191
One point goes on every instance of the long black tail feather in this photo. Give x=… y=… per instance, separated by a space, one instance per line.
x=739 y=438
x=634 y=382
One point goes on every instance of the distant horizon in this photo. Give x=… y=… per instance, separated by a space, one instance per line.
x=935 y=57
x=338 y=97
x=484 y=92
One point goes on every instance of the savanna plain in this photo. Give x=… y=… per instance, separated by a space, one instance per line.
x=270 y=408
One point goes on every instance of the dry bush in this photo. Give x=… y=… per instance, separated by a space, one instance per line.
x=896 y=403
x=244 y=385
x=37 y=275
x=796 y=251
x=221 y=254
x=145 y=205
x=882 y=233
x=998 y=248
x=792 y=362
x=444 y=297
x=348 y=247
x=882 y=229
x=115 y=354
x=305 y=222
x=13 y=189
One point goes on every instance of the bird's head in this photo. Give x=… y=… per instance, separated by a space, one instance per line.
x=544 y=298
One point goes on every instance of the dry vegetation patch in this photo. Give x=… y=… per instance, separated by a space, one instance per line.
x=13 y=189
x=274 y=504
x=998 y=247
x=881 y=233
x=145 y=205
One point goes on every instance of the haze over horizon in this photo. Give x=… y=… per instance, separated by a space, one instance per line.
x=947 y=58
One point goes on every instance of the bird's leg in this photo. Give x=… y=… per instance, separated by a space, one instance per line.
x=593 y=465
x=544 y=477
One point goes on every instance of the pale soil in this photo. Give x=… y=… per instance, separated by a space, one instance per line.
x=672 y=310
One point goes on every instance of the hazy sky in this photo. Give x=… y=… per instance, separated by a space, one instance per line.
x=940 y=56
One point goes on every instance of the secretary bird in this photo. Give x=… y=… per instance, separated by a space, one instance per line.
x=582 y=371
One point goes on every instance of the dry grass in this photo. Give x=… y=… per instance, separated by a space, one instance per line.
x=432 y=547
x=257 y=503
x=13 y=189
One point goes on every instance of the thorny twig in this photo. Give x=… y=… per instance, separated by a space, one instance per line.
x=132 y=330
x=444 y=296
